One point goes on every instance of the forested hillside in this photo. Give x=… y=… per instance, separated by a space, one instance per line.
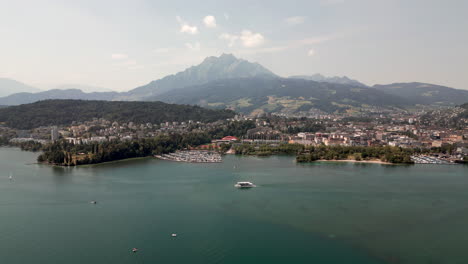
x=64 y=112
x=274 y=94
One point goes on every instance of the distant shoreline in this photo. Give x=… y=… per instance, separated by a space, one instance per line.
x=92 y=164
x=359 y=161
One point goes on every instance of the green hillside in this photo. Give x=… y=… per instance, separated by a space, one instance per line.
x=426 y=94
x=258 y=95
x=64 y=112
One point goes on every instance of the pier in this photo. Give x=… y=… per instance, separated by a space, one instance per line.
x=192 y=156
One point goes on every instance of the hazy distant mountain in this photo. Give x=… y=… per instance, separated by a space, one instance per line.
x=10 y=86
x=26 y=98
x=227 y=81
x=320 y=78
x=212 y=68
x=424 y=93
x=259 y=95
x=84 y=88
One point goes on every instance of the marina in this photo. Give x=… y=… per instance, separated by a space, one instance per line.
x=192 y=156
x=429 y=160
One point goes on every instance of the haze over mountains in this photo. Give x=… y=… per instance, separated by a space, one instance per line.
x=10 y=86
x=84 y=88
x=229 y=82
x=212 y=68
x=336 y=79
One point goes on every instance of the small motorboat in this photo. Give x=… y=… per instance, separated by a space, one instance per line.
x=173 y=235
x=93 y=202
x=245 y=185
x=134 y=250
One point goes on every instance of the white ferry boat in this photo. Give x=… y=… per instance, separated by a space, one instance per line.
x=245 y=185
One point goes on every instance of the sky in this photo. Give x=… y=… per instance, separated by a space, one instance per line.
x=121 y=45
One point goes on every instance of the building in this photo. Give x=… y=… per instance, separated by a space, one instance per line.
x=227 y=139
x=54 y=134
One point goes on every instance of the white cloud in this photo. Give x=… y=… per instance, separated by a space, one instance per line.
x=209 y=21
x=193 y=46
x=311 y=52
x=295 y=20
x=250 y=39
x=230 y=38
x=247 y=38
x=185 y=27
x=188 y=29
x=119 y=56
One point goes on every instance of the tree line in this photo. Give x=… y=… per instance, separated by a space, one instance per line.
x=383 y=153
x=68 y=154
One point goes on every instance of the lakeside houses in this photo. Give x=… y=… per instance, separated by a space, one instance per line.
x=397 y=128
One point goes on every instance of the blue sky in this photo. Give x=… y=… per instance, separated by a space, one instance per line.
x=123 y=44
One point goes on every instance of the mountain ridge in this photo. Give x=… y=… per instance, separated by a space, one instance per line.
x=26 y=98
x=249 y=95
x=335 y=79
x=226 y=66
x=425 y=93
x=9 y=86
x=213 y=75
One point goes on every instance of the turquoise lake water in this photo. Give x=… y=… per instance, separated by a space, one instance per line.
x=315 y=213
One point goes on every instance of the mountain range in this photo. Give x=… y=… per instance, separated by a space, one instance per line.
x=425 y=93
x=26 y=98
x=240 y=85
x=10 y=86
x=211 y=69
x=336 y=79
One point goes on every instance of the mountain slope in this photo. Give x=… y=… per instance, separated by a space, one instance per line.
x=26 y=98
x=270 y=95
x=212 y=68
x=64 y=112
x=10 y=86
x=424 y=93
x=84 y=88
x=320 y=78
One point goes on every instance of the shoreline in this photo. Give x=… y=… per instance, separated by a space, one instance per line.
x=359 y=161
x=91 y=164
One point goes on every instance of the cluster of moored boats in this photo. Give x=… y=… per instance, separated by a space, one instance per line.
x=193 y=156
x=428 y=160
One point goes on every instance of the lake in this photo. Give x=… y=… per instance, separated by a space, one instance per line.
x=325 y=212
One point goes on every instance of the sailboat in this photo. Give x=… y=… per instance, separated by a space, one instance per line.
x=10 y=177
